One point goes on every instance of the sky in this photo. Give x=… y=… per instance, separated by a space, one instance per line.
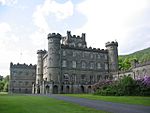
x=24 y=25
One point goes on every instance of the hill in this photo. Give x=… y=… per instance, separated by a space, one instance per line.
x=141 y=56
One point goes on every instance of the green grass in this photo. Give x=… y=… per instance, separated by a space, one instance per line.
x=119 y=99
x=39 y=104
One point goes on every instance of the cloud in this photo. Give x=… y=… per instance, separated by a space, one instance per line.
x=39 y=39
x=49 y=8
x=110 y=20
x=8 y=2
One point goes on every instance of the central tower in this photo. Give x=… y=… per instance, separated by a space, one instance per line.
x=54 y=63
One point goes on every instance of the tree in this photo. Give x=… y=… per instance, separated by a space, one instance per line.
x=1 y=85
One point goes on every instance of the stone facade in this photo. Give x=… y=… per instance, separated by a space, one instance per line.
x=69 y=66
x=138 y=70
x=22 y=78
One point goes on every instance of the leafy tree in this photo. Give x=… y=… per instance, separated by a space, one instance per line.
x=1 y=85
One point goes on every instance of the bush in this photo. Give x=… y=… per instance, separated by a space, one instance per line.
x=123 y=87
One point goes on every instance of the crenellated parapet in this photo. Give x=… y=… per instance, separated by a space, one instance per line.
x=90 y=49
x=54 y=35
x=30 y=66
x=111 y=44
x=74 y=40
x=41 y=51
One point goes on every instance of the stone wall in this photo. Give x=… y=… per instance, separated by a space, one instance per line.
x=22 y=78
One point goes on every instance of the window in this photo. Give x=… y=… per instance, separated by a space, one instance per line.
x=26 y=83
x=83 y=54
x=64 y=53
x=98 y=56
x=83 y=65
x=82 y=77
x=91 y=56
x=91 y=65
x=98 y=77
x=66 y=78
x=105 y=57
x=74 y=54
x=106 y=66
x=98 y=66
x=64 y=63
x=91 y=78
x=74 y=64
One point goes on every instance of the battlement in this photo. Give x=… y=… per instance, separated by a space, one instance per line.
x=41 y=51
x=76 y=36
x=22 y=66
x=54 y=35
x=111 y=44
x=84 y=49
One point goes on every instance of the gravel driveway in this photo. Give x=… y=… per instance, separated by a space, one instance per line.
x=105 y=106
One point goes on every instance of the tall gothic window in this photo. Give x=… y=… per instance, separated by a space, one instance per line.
x=74 y=64
x=64 y=63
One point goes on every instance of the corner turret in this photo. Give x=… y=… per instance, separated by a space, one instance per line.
x=112 y=48
x=54 y=64
x=39 y=69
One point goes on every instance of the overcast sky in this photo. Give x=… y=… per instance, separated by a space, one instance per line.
x=24 y=25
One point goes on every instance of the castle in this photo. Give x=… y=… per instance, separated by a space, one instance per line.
x=69 y=66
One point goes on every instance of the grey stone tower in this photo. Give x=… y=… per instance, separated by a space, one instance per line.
x=112 y=48
x=54 y=63
x=39 y=73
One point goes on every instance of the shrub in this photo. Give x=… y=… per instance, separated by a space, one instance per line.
x=123 y=87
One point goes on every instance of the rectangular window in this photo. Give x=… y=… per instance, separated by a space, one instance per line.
x=105 y=57
x=64 y=63
x=91 y=65
x=98 y=56
x=64 y=53
x=74 y=64
x=98 y=66
x=74 y=54
x=83 y=65
x=106 y=66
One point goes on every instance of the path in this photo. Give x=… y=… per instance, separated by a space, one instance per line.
x=105 y=106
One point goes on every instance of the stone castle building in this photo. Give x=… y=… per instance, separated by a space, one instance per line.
x=22 y=78
x=69 y=66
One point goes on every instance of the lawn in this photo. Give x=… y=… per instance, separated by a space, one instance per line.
x=119 y=99
x=39 y=104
